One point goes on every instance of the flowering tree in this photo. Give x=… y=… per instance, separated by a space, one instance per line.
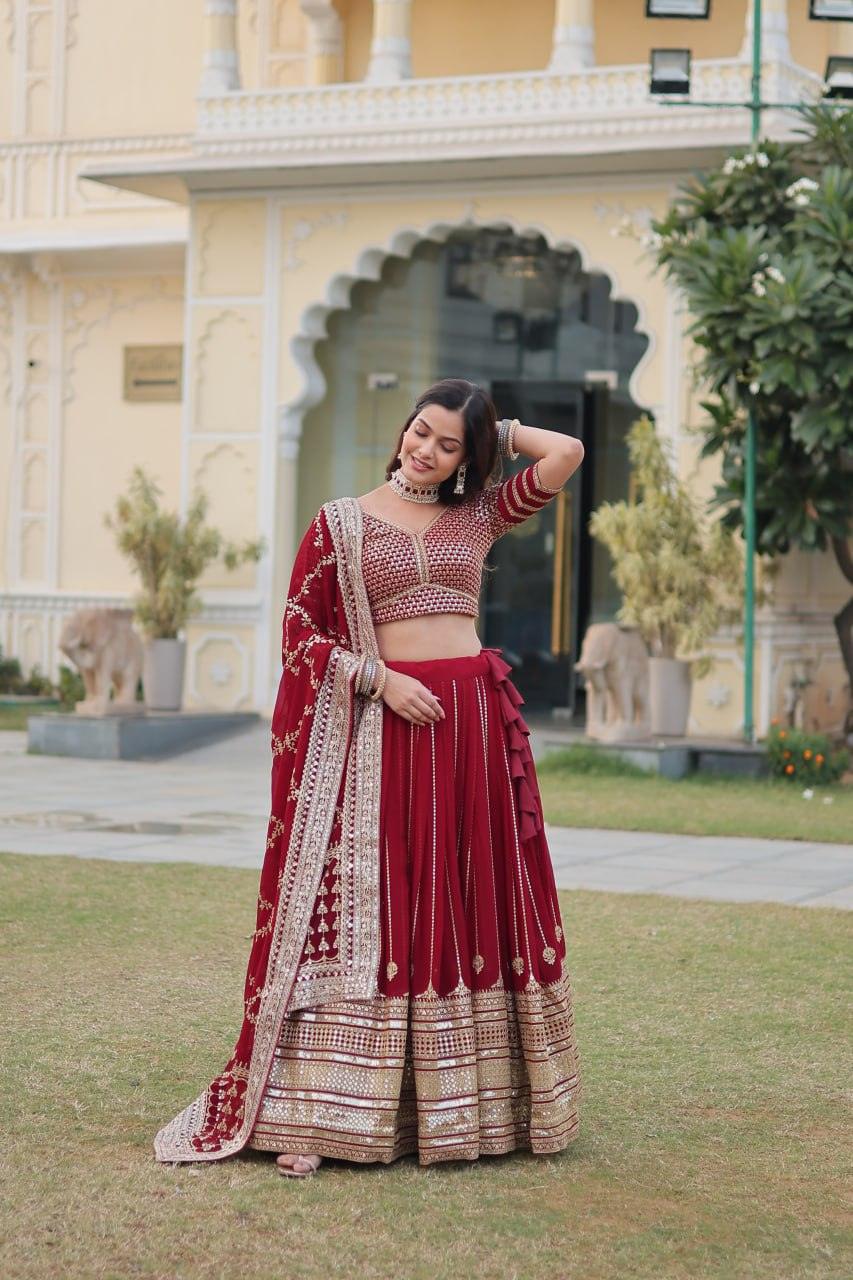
x=762 y=249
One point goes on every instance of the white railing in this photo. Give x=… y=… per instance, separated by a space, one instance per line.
x=597 y=101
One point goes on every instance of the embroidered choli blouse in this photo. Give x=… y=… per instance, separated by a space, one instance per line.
x=439 y=569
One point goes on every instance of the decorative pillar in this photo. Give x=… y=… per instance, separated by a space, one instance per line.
x=221 y=70
x=774 y=31
x=325 y=42
x=391 y=46
x=574 y=36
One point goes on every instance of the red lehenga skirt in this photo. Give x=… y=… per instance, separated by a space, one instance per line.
x=468 y=1048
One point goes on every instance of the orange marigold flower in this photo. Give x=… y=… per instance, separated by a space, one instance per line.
x=789 y=768
x=782 y=733
x=818 y=759
x=807 y=755
x=785 y=755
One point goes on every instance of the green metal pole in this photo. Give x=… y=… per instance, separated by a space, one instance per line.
x=751 y=433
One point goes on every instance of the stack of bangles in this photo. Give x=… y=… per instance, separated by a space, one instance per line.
x=366 y=677
x=506 y=437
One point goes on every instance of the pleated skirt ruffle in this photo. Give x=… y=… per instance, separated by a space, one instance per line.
x=468 y=1048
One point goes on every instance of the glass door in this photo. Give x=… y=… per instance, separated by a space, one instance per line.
x=530 y=595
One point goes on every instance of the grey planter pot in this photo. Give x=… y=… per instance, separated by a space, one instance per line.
x=669 y=696
x=163 y=674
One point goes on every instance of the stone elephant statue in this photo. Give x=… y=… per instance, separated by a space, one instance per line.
x=108 y=653
x=614 y=662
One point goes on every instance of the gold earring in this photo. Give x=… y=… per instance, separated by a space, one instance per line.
x=460 y=478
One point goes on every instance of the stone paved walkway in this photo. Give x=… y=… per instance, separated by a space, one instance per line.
x=211 y=806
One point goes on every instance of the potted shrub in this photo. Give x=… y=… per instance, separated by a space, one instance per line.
x=169 y=555
x=679 y=579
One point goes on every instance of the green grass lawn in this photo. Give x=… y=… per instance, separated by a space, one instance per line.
x=711 y=1144
x=16 y=717
x=580 y=788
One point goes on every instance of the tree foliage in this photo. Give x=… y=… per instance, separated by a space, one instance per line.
x=762 y=248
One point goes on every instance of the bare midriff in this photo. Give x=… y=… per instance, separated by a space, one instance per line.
x=435 y=635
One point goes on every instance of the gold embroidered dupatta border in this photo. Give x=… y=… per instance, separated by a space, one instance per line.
x=330 y=758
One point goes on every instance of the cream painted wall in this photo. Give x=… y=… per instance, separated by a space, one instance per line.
x=8 y=480
x=225 y=326
x=450 y=39
x=103 y=436
x=481 y=36
x=131 y=68
x=142 y=59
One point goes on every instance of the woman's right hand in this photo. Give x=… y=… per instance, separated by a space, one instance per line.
x=411 y=699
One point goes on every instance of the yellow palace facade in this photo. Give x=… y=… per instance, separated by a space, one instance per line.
x=239 y=237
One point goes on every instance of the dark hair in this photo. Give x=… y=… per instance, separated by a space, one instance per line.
x=481 y=434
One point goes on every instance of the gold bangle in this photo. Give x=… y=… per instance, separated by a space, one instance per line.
x=377 y=693
x=364 y=674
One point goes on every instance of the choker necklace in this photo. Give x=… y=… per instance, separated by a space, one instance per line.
x=411 y=491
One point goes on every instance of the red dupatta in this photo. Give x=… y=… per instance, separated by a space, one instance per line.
x=327 y=743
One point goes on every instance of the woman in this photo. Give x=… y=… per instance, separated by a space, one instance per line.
x=407 y=988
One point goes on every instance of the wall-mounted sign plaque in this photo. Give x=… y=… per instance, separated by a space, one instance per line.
x=153 y=372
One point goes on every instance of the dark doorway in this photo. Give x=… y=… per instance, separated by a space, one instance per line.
x=536 y=588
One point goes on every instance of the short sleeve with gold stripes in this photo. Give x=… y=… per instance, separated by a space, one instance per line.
x=515 y=500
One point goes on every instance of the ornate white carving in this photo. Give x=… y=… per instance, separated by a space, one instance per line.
x=390 y=46
x=12 y=278
x=221 y=67
x=194 y=654
x=242 y=340
x=516 y=113
x=221 y=672
x=718 y=695
x=368 y=266
x=621 y=218
x=774 y=30
x=8 y=15
x=66 y=185
x=71 y=16
x=325 y=29
x=237 y=607
x=303 y=229
x=108 y=302
x=46 y=267
x=573 y=42
x=20 y=611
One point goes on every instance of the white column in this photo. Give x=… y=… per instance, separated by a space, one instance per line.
x=774 y=31
x=391 y=46
x=325 y=42
x=574 y=36
x=221 y=70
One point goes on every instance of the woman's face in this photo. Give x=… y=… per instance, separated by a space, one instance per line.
x=436 y=438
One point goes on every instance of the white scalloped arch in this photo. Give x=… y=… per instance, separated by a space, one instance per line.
x=368 y=266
